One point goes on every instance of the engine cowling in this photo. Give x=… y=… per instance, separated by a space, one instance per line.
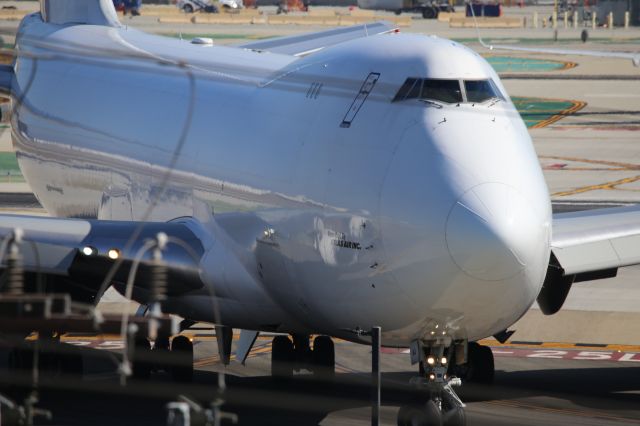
x=555 y=289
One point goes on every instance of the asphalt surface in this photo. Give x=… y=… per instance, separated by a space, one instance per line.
x=528 y=390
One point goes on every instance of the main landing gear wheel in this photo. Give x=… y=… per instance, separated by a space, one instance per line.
x=141 y=358
x=282 y=357
x=182 y=357
x=323 y=358
x=480 y=365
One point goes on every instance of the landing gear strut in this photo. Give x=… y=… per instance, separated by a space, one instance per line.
x=288 y=356
x=443 y=406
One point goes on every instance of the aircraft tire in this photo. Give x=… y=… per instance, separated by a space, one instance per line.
x=282 y=356
x=140 y=359
x=20 y=358
x=162 y=353
x=72 y=364
x=420 y=415
x=187 y=8
x=481 y=364
x=454 y=417
x=182 y=356
x=324 y=357
x=452 y=413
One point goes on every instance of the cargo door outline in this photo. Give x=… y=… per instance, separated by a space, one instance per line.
x=366 y=88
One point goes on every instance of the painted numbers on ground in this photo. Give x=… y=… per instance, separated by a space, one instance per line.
x=98 y=344
x=568 y=354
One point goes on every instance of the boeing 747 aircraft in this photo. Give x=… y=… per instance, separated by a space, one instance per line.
x=313 y=185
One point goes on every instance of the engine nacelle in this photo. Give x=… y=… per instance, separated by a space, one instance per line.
x=555 y=289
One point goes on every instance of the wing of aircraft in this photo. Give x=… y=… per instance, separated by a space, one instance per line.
x=76 y=255
x=596 y=240
x=589 y=245
x=634 y=57
x=305 y=44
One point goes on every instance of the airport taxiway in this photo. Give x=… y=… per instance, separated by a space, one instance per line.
x=590 y=157
x=536 y=386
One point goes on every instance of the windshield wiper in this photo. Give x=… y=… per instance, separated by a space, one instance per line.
x=431 y=103
x=495 y=101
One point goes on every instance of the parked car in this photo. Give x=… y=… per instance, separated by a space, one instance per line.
x=232 y=4
x=190 y=6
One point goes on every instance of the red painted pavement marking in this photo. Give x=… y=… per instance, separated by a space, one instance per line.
x=572 y=354
x=568 y=354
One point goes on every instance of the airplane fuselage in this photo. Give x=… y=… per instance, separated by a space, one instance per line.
x=347 y=208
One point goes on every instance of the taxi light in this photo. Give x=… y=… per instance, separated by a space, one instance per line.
x=431 y=360
x=89 y=251
x=443 y=361
x=113 y=254
x=432 y=376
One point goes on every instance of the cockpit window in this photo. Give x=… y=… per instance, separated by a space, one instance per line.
x=408 y=90
x=441 y=90
x=481 y=90
x=448 y=91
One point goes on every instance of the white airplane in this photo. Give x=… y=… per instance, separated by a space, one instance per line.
x=310 y=185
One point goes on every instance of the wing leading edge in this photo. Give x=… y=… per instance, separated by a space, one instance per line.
x=589 y=245
x=305 y=44
x=74 y=255
x=597 y=240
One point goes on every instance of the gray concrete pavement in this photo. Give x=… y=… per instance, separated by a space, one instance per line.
x=532 y=390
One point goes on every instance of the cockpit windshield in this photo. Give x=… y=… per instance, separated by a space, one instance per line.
x=481 y=90
x=448 y=90
x=441 y=90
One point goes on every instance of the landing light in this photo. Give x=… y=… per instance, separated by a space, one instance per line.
x=89 y=251
x=431 y=360
x=432 y=376
x=113 y=254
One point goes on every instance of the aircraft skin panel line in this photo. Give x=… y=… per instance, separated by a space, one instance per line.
x=317 y=227
x=409 y=218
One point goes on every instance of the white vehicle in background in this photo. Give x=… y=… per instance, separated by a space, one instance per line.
x=190 y=6
x=232 y=4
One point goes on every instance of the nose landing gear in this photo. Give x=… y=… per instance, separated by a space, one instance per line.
x=443 y=406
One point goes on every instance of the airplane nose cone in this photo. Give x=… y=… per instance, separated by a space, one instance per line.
x=492 y=232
